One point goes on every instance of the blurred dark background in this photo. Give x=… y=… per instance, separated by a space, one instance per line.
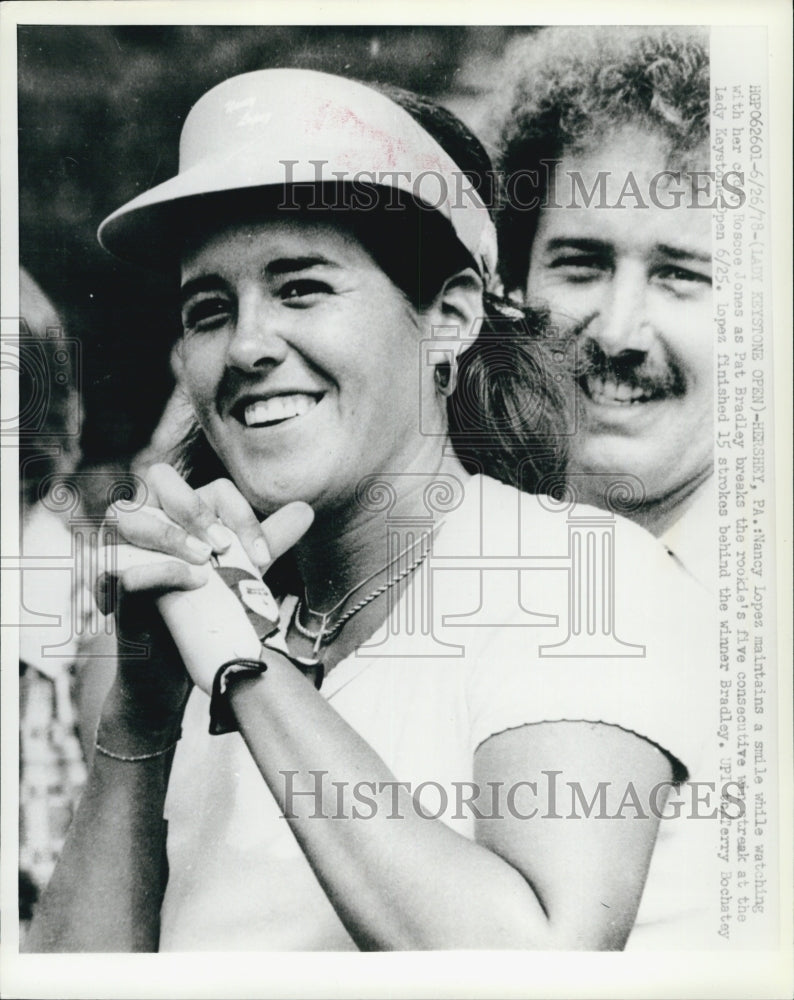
x=100 y=111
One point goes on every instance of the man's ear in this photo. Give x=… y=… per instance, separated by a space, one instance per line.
x=177 y=360
x=459 y=304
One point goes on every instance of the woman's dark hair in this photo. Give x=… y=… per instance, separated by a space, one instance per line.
x=506 y=415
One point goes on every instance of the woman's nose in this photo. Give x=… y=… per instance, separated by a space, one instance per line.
x=258 y=339
x=622 y=323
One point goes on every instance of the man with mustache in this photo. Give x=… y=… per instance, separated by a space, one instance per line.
x=606 y=222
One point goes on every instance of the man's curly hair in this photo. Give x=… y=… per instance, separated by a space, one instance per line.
x=567 y=86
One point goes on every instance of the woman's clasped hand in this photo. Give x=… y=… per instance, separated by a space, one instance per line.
x=168 y=536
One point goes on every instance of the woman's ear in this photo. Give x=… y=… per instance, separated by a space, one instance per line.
x=460 y=304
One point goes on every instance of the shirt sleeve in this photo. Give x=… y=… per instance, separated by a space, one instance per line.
x=636 y=651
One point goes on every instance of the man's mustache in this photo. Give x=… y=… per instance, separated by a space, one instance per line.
x=631 y=367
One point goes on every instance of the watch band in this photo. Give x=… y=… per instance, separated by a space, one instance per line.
x=222 y=718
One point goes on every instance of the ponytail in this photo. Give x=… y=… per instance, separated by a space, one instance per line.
x=507 y=415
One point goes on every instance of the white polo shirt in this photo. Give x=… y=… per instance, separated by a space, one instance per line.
x=627 y=645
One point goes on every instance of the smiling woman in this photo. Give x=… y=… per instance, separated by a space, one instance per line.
x=290 y=348
x=325 y=329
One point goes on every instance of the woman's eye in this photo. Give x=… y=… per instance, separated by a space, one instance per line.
x=578 y=268
x=205 y=314
x=302 y=291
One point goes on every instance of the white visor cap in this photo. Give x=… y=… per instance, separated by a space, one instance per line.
x=295 y=126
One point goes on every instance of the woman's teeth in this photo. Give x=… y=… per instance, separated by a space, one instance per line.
x=608 y=392
x=277 y=408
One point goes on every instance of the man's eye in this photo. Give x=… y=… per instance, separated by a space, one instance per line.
x=681 y=279
x=205 y=314
x=578 y=268
x=303 y=291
